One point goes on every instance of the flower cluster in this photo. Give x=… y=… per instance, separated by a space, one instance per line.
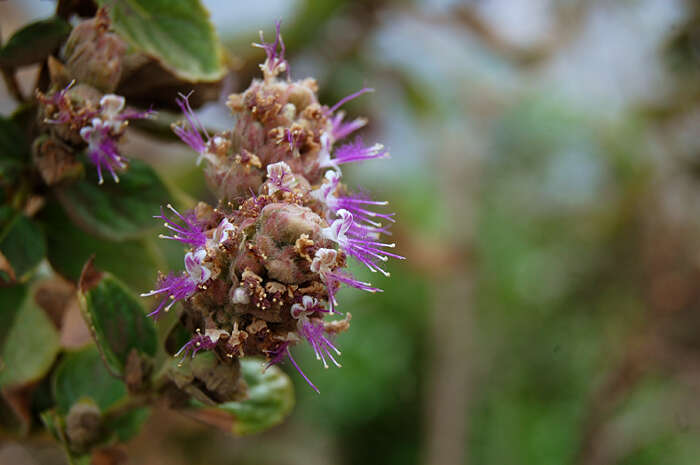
x=81 y=117
x=84 y=114
x=263 y=267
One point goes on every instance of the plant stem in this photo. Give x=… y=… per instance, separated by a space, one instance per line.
x=10 y=79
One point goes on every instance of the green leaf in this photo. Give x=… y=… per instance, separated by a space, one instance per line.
x=134 y=261
x=116 y=211
x=175 y=32
x=82 y=374
x=14 y=153
x=11 y=300
x=34 y=42
x=270 y=399
x=21 y=242
x=13 y=143
x=30 y=343
x=115 y=317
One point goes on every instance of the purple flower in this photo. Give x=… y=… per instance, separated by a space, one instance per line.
x=191 y=132
x=355 y=204
x=348 y=153
x=113 y=114
x=313 y=331
x=104 y=131
x=174 y=288
x=59 y=99
x=221 y=234
x=190 y=232
x=102 y=149
x=324 y=263
x=178 y=287
x=195 y=268
x=275 y=62
x=306 y=308
x=280 y=177
x=323 y=348
x=199 y=341
x=357 y=242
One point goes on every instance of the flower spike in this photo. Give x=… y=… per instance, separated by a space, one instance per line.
x=265 y=263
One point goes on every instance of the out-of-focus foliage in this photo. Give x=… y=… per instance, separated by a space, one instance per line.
x=30 y=341
x=34 y=42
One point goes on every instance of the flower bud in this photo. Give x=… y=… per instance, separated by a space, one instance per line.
x=279 y=227
x=93 y=55
x=235 y=180
x=55 y=161
x=83 y=424
x=209 y=379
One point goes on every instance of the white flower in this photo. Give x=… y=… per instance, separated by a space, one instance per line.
x=195 y=269
x=324 y=261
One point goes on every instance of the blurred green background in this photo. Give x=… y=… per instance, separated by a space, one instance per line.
x=545 y=172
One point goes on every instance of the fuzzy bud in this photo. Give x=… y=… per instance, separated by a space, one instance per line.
x=209 y=379
x=55 y=160
x=279 y=227
x=83 y=424
x=236 y=178
x=94 y=55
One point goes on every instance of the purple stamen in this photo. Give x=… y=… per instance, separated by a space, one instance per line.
x=174 y=288
x=321 y=346
x=356 y=151
x=190 y=233
x=326 y=193
x=178 y=287
x=353 y=96
x=289 y=354
x=275 y=62
x=191 y=131
x=280 y=177
x=102 y=149
x=135 y=114
x=352 y=237
x=194 y=345
x=341 y=130
x=278 y=356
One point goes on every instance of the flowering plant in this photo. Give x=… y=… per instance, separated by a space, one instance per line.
x=262 y=265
